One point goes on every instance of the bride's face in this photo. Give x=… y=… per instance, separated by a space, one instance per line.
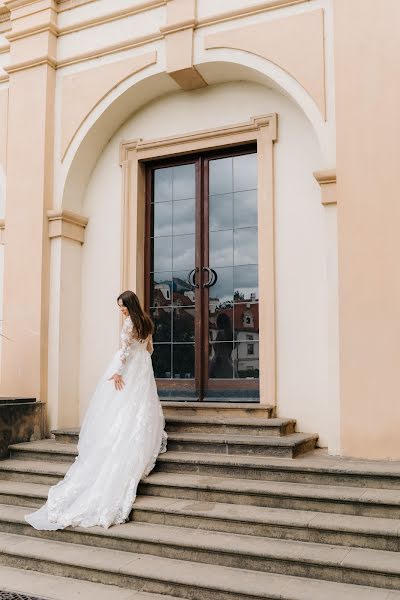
x=123 y=308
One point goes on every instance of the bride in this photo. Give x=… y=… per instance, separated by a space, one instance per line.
x=120 y=438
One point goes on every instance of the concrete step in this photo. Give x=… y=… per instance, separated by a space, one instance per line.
x=42 y=585
x=292 y=496
x=46 y=450
x=288 y=446
x=305 y=469
x=306 y=526
x=301 y=526
x=309 y=468
x=319 y=561
x=216 y=424
x=185 y=579
x=33 y=471
x=212 y=409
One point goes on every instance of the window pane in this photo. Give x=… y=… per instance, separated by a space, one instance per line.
x=162 y=185
x=184 y=182
x=245 y=209
x=246 y=360
x=184 y=217
x=221 y=212
x=160 y=289
x=183 y=361
x=220 y=360
x=221 y=325
x=245 y=172
x=221 y=248
x=245 y=246
x=220 y=176
x=184 y=252
x=246 y=322
x=162 y=219
x=183 y=291
x=222 y=291
x=161 y=358
x=183 y=324
x=162 y=324
x=245 y=283
x=162 y=254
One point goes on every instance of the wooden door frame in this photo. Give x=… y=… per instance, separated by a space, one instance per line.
x=133 y=155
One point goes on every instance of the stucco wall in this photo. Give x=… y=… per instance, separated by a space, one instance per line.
x=304 y=378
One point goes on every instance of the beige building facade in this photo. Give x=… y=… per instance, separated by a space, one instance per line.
x=105 y=104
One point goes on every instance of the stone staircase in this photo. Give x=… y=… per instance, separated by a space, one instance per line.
x=227 y=514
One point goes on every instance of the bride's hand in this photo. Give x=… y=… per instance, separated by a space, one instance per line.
x=118 y=381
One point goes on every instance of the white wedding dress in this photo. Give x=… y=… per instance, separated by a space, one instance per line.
x=120 y=438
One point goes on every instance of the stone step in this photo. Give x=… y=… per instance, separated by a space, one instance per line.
x=288 y=446
x=198 y=424
x=293 y=496
x=46 y=450
x=306 y=526
x=32 y=471
x=188 y=579
x=305 y=469
x=367 y=502
x=302 y=526
x=212 y=409
x=317 y=561
x=41 y=585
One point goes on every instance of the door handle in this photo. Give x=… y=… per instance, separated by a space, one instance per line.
x=212 y=277
x=192 y=276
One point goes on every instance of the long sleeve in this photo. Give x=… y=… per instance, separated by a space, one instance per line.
x=127 y=337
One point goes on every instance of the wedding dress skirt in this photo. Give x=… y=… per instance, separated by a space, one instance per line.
x=120 y=438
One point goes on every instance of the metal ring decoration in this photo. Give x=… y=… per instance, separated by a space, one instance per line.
x=212 y=277
x=191 y=277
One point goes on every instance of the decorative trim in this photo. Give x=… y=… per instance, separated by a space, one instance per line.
x=327 y=182
x=5 y=49
x=2 y=232
x=145 y=39
x=24 y=33
x=180 y=26
x=94 y=84
x=112 y=49
x=67 y=225
x=29 y=64
x=113 y=16
x=4 y=78
x=239 y=13
x=134 y=153
x=219 y=134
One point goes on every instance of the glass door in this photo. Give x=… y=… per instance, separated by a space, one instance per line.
x=202 y=275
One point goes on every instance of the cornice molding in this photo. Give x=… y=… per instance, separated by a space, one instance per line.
x=180 y=26
x=112 y=16
x=255 y=124
x=325 y=176
x=327 y=181
x=67 y=225
x=61 y=5
x=4 y=49
x=239 y=13
x=4 y=78
x=29 y=64
x=112 y=49
x=28 y=32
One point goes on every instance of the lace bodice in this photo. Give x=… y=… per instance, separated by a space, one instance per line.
x=128 y=339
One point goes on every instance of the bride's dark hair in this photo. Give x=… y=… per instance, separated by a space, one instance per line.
x=141 y=320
